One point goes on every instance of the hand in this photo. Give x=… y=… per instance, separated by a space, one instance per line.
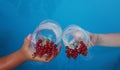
x=93 y=38
x=28 y=53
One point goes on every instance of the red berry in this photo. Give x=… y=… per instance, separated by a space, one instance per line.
x=49 y=55
x=79 y=52
x=51 y=43
x=76 y=47
x=67 y=51
x=84 y=48
x=74 y=56
x=67 y=47
x=56 y=53
x=81 y=42
x=47 y=42
x=68 y=55
x=35 y=54
x=84 y=53
x=42 y=48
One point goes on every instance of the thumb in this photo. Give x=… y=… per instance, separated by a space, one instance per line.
x=27 y=40
x=93 y=38
x=58 y=49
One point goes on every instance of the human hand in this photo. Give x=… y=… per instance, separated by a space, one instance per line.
x=28 y=53
x=93 y=38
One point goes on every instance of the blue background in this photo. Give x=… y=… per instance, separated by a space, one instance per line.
x=18 y=18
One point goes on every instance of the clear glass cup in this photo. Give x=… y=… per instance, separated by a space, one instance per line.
x=47 y=29
x=75 y=33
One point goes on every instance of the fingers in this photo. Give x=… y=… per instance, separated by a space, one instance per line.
x=91 y=43
x=49 y=59
x=44 y=58
x=27 y=39
x=93 y=38
x=41 y=59
x=59 y=48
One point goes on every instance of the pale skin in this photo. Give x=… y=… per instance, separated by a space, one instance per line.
x=15 y=59
x=108 y=40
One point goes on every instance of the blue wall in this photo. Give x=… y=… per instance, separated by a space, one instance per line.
x=18 y=18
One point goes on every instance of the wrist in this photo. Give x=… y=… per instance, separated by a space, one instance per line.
x=93 y=39
x=96 y=37
x=22 y=55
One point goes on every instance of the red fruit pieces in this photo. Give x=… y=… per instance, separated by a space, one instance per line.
x=68 y=55
x=84 y=53
x=73 y=53
x=49 y=48
x=83 y=48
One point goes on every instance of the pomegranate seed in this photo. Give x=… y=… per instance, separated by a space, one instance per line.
x=77 y=51
x=55 y=53
x=67 y=47
x=68 y=55
x=48 y=48
x=84 y=53
x=67 y=51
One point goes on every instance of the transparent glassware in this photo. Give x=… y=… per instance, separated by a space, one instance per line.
x=75 y=33
x=47 y=29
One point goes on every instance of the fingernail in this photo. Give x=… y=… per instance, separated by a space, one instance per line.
x=29 y=36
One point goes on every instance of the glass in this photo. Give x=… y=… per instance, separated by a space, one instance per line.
x=75 y=33
x=48 y=29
